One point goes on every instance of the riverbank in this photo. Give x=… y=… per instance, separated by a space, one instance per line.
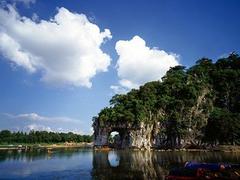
x=226 y=148
x=23 y=146
x=219 y=148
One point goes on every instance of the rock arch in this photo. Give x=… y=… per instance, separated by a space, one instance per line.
x=103 y=131
x=131 y=136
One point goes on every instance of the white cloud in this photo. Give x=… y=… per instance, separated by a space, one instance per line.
x=33 y=121
x=65 y=49
x=75 y=131
x=119 y=89
x=138 y=63
x=36 y=117
x=36 y=127
x=39 y=127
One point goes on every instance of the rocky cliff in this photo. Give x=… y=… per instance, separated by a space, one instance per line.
x=189 y=107
x=147 y=135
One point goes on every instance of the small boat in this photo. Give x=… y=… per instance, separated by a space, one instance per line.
x=206 y=166
x=194 y=171
x=185 y=174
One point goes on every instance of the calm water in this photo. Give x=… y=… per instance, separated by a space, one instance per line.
x=89 y=164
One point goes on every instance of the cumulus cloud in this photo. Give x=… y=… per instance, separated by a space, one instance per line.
x=33 y=121
x=75 y=131
x=66 y=49
x=38 y=127
x=36 y=117
x=119 y=89
x=35 y=127
x=138 y=63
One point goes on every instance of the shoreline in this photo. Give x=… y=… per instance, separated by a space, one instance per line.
x=45 y=146
x=219 y=148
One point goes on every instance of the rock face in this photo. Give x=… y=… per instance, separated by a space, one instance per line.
x=153 y=135
x=131 y=136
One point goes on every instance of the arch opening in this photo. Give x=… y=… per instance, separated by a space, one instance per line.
x=114 y=139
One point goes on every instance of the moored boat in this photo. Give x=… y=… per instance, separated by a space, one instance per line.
x=194 y=171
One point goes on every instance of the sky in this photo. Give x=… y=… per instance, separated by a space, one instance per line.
x=61 y=61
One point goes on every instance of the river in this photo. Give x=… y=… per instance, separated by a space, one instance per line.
x=89 y=164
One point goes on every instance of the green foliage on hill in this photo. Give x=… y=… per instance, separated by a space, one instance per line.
x=8 y=137
x=202 y=101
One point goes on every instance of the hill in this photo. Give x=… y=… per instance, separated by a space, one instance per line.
x=195 y=106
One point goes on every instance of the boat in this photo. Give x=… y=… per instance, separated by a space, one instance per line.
x=194 y=171
x=185 y=174
x=206 y=166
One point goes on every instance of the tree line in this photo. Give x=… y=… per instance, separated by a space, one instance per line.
x=8 y=137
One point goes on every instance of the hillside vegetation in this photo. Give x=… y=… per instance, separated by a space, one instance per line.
x=201 y=103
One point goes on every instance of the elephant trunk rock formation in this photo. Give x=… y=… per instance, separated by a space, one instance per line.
x=189 y=108
x=142 y=136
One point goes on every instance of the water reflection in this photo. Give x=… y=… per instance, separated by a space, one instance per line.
x=113 y=158
x=150 y=165
x=89 y=164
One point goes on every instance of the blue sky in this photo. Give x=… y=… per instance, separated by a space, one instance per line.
x=61 y=61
